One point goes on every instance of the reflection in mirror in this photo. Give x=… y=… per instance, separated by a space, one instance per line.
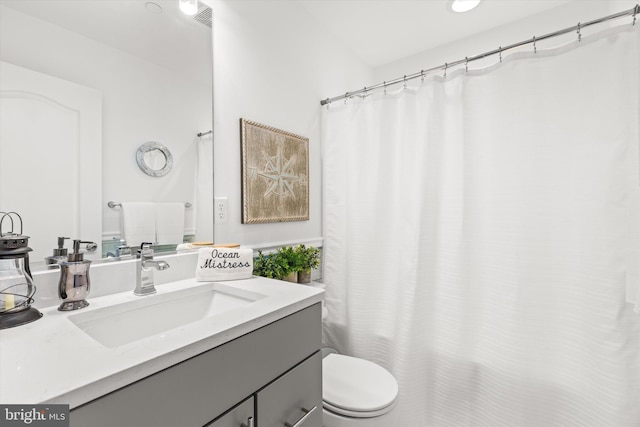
x=146 y=62
x=154 y=159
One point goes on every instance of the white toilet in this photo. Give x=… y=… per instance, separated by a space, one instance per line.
x=357 y=393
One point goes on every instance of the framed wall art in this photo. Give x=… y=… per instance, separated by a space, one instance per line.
x=275 y=174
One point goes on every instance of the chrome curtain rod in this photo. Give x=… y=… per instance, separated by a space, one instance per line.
x=119 y=205
x=577 y=28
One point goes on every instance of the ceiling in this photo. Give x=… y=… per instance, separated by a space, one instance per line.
x=170 y=38
x=383 y=31
x=376 y=31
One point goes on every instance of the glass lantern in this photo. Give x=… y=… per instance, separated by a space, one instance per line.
x=16 y=284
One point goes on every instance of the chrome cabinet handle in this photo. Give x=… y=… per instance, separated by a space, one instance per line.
x=249 y=423
x=307 y=414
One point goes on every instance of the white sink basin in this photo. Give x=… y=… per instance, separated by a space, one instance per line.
x=147 y=316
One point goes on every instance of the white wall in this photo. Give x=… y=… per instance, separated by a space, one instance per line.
x=555 y=19
x=141 y=102
x=272 y=70
x=267 y=68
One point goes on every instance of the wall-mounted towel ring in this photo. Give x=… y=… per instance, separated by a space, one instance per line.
x=154 y=159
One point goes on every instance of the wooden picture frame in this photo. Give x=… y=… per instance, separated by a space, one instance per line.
x=275 y=174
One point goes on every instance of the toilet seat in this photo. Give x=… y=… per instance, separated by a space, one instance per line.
x=356 y=387
x=355 y=414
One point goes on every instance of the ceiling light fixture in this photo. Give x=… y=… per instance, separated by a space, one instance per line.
x=189 y=7
x=464 y=5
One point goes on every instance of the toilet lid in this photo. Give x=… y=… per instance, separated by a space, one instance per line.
x=357 y=386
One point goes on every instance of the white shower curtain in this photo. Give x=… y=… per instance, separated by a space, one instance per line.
x=479 y=238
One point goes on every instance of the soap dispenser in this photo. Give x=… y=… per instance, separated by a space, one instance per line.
x=74 y=280
x=59 y=254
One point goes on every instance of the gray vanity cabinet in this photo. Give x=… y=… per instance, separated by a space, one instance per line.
x=293 y=397
x=275 y=371
x=241 y=416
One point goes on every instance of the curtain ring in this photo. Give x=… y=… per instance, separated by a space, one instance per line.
x=635 y=12
x=466 y=64
x=579 y=32
x=384 y=84
x=445 y=69
x=346 y=96
x=405 y=82
x=535 y=48
x=421 y=76
x=500 y=53
x=364 y=93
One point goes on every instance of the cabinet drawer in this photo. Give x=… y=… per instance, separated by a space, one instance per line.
x=290 y=397
x=240 y=416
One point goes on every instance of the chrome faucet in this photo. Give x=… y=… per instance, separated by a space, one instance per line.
x=123 y=252
x=144 y=270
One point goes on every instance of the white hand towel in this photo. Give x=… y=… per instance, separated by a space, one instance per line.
x=139 y=222
x=216 y=264
x=170 y=223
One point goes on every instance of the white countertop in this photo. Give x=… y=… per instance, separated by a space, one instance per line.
x=51 y=360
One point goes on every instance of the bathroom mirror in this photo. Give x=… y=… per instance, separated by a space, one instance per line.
x=154 y=159
x=151 y=67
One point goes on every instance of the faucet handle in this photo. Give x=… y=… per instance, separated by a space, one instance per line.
x=145 y=250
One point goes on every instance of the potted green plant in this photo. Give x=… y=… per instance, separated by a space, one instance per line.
x=269 y=266
x=309 y=259
x=283 y=264
x=292 y=261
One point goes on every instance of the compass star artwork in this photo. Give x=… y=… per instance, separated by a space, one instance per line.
x=275 y=170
